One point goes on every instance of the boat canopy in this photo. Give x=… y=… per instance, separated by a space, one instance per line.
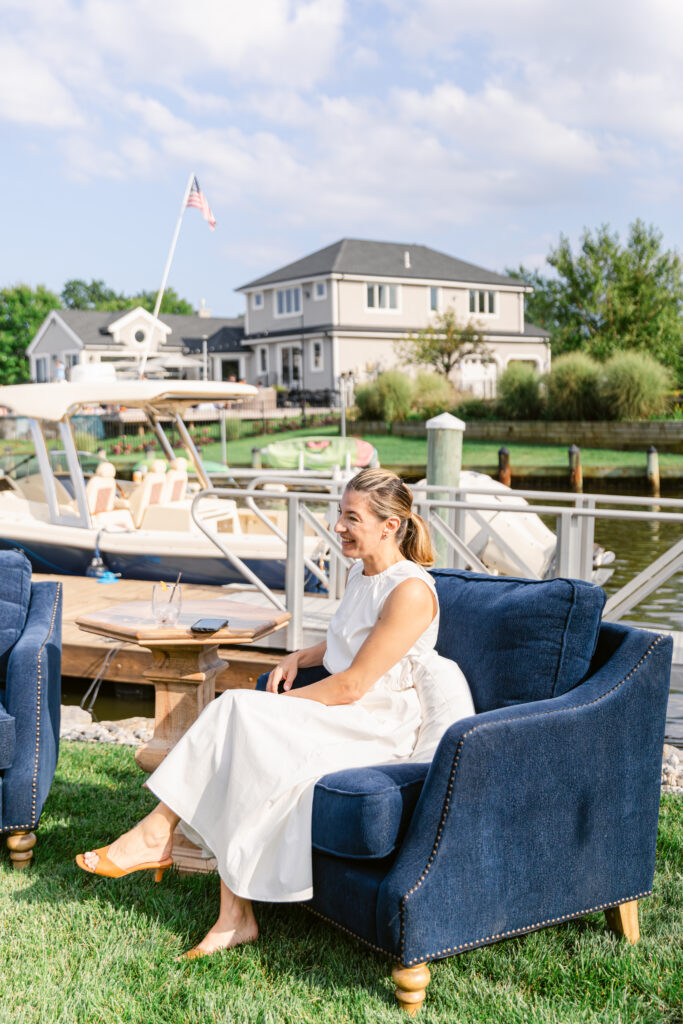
x=63 y=399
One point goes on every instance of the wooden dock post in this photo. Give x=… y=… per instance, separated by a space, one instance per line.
x=653 y=471
x=575 y=471
x=444 y=462
x=504 y=474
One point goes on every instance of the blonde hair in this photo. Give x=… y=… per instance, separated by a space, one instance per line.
x=387 y=496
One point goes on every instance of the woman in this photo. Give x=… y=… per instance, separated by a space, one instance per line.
x=241 y=780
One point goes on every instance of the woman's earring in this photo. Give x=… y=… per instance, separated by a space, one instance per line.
x=384 y=535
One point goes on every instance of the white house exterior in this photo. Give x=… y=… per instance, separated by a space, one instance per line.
x=342 y=310
x=339 y=311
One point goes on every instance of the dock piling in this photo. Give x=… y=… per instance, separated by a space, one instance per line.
x=575 y=471
x=504 y=474
x=444 y=462
x=653 y=471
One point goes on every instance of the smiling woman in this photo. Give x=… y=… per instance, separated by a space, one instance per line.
x=240 y=782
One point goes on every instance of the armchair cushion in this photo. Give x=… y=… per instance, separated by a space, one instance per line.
x=517 y=640
x=15 y=573
x=365 y=812
x=7 y=738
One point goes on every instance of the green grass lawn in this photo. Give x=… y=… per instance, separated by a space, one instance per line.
x=413 y=450
x=75 y=948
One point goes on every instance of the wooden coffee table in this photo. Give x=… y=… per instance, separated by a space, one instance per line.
x=183 y=673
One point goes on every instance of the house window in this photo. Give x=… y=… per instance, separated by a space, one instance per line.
x=263 y=360
x=257 y=300
x=483 y=302
x=287 y=301
x=434 y=299
x=317 y=356
x=42 y=370
x=320 y=290
x=382 y=296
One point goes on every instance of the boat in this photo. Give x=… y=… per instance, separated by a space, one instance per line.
x=71 y=514
x=319 y=453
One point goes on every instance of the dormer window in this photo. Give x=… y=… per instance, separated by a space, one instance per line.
x=320 y=290
x=257 y=300
x=483 y=302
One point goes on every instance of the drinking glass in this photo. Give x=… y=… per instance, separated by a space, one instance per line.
x=167 y=602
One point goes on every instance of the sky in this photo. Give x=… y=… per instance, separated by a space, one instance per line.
x=484 y=130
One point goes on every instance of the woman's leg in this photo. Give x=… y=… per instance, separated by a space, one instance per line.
x=150 y=840
x=236 y=924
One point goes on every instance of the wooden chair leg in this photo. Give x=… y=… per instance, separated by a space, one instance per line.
x=411 y=983
x=624 y=920
x=20 y=846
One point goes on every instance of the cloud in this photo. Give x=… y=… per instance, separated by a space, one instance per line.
x=30 y=93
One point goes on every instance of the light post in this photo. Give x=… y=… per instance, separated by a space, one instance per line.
x=205 y=356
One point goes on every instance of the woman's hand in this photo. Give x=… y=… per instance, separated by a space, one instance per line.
x=287 y=670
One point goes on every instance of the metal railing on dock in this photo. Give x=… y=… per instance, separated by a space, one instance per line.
x=445 y=510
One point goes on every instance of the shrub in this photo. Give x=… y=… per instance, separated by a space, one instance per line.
x=388 y=398
x=635 y=386
x=574 y=388
x=432 y=394
x=475 y=409
x=519 y=396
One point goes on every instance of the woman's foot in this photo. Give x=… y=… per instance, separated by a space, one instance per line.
x=150 y=841
x=236 y=925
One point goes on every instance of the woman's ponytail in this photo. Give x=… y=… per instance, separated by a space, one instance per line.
x=416 y=544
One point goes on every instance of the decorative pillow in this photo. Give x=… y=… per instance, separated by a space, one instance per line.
x=445 y=698
x=517 y=640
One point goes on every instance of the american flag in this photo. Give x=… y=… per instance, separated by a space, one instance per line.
x=198 y=199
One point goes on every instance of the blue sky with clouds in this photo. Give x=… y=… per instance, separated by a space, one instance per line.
x=483 y=130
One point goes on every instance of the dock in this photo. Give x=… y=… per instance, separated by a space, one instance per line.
x=83 y=653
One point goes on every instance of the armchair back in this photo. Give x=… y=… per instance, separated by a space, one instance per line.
x=517 y=640
x=15 y=593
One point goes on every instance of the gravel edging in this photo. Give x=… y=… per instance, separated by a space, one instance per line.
x=76 y=724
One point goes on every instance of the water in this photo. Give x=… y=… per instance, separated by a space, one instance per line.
x=635 y=545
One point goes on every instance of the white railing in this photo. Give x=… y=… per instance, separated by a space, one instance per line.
x=444 y=510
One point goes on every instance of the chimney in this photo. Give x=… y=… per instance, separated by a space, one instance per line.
x=406 y=259
x=203 y=311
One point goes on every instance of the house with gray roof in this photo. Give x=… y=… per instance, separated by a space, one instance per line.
x=342 y=309
x=338 y=311
x=172 y=344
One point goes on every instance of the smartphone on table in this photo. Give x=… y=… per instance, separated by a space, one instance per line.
x=208 y=625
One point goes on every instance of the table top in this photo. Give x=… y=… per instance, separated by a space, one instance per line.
x=134 y=621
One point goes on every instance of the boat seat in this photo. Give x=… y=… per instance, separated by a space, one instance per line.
x=100 y=489
x=150 y=491
x=176 y=481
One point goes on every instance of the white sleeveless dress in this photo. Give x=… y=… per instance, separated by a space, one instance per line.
x=242 y=777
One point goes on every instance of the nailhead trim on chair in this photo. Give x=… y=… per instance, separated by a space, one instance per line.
x=525 y=928
x=39 y=686
x=446 y=807
x=348 y=931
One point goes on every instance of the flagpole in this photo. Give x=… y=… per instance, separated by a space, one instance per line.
x=162 y=289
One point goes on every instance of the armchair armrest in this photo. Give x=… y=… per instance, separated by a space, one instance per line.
x=32 y=696
x=534 y=814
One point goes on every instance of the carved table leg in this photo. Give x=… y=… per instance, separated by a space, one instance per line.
x=624 y=920
x=184 y=683
x=411 y=983
x=20 y=846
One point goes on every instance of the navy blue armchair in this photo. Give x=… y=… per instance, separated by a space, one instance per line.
x=540 y=808
x=30 y=686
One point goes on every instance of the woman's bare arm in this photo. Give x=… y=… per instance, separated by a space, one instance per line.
x=407 y=611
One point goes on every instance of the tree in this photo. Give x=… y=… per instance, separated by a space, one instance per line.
x=170 y=302
x=443 y=344
x=77 y=294
x=610 y=297
x=22 y=311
